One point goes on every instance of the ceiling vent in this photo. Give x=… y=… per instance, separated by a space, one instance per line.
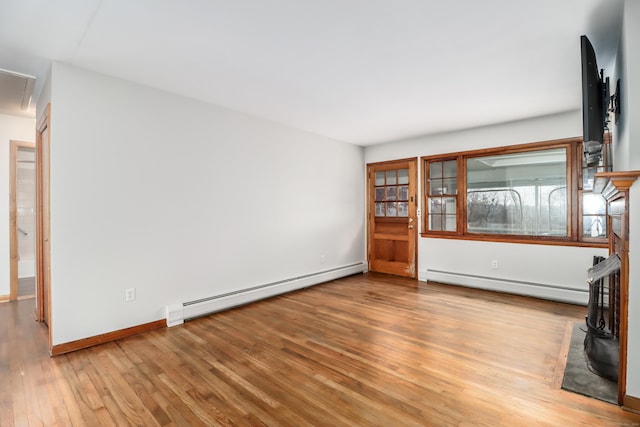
x=16 y=90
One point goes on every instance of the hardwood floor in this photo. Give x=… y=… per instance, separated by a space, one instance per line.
x=26 y=286
x=364 y=350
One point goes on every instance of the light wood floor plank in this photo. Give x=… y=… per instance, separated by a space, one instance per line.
x=364 y=350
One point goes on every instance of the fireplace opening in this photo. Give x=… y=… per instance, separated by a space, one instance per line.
x=601 y=343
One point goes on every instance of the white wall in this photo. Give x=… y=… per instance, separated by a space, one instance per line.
x=565 y=125
x=627 y=157
x=11 y=128
x=555 y=272
x=44 y=97
x=184 y=200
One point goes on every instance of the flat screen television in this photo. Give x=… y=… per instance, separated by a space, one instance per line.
x=594 y=97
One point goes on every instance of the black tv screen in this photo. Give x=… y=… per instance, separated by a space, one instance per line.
x=593 y=107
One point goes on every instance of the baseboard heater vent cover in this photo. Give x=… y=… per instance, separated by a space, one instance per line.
x=538 y=290
x=176 y=314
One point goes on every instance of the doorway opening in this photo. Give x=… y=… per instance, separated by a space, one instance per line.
x=22 y=219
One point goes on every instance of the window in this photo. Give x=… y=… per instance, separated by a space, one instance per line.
x=392 y=193
x=530 y=192
x=521 y=193
x=594 y=206
x=443 y=188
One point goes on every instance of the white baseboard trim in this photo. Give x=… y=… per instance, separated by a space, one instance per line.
x=176 y=314
x=537 y=290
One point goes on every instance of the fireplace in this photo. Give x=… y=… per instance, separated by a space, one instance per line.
x=601 y=343
x=607 y=322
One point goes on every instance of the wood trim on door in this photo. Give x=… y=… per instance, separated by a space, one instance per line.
x=13 y=215
x=410 y=268
x=43 y=271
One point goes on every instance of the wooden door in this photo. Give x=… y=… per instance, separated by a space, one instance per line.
x=392 y=223
x=43 y=270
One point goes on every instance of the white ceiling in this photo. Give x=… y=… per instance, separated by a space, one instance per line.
x=361 y=71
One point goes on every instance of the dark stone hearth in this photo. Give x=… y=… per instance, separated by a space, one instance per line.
x=577 y=376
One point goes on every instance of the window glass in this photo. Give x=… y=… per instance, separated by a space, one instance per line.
x=522 y=193
x=391 y=177
x=450 y=169
x=594 y=206
x=403 y=192
x=442 y=184
x=403 y=176
x=594 y=219
x=594 y=226
x=436 y=187
x=435 y=170
x=391 y=209
x=403 y=209
x=450 y=186
x=391 y=193
x=539 y=192
x=435 y=222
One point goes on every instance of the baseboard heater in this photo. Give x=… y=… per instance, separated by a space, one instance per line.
x=537 y=290
x=177 y=313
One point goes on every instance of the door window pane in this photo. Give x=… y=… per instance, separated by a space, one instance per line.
x=391 y=193
x=391 y=177
x=391 y=186
x=403 y=176
x=403 y=192
x=403 y=209
x=391 y=209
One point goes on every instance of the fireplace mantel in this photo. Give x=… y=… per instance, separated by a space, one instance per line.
x=611 y=183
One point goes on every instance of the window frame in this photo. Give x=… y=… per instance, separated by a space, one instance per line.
x=425 y=186
x=574 y=195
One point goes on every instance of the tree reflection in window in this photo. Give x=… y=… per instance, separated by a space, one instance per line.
x=518 y=194
x=494 y=211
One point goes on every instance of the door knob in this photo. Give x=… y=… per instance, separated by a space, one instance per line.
x=410 y=226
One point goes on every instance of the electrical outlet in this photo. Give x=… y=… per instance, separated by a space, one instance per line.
x=130 y=294
x=323 y=258
x=494 y=264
